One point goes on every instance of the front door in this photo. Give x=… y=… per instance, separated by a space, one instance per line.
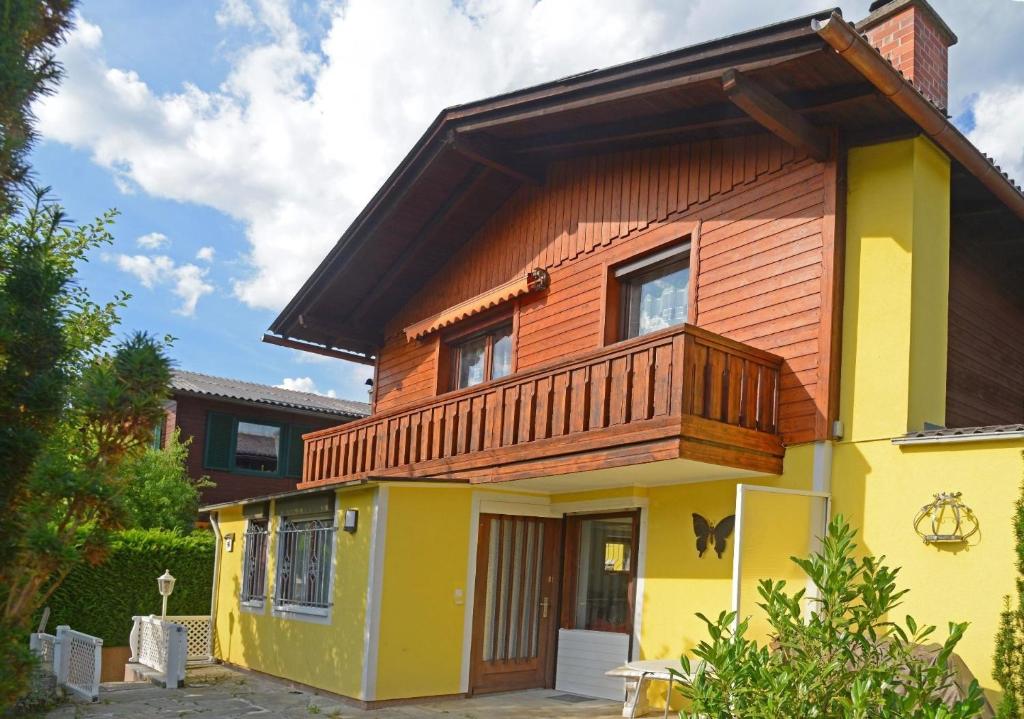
x=514 y=605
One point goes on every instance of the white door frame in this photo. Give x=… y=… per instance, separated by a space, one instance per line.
x=737 y=555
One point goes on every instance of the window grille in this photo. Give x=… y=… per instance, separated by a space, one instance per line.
x=304 y=566
x=254 y=562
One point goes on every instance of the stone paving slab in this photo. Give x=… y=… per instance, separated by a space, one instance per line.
x=219 y=692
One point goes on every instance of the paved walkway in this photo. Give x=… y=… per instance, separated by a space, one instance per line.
x=223 y=693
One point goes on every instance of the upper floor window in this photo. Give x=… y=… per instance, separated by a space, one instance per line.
x=251 y=446
x=257 y=446
x=482 y=357
x=654 y=291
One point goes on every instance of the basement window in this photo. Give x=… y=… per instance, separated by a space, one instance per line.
x=254 y=563
x=303 y=581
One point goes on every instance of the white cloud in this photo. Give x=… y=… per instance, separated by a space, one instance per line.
x=187 y=281
x=998 y=129
x=304 y=384
x=205 y=254
x=287 y=119
x=336 y=112
x=152 y=241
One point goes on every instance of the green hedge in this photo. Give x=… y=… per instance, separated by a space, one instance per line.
x=102 y=600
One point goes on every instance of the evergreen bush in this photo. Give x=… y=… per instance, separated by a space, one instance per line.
x=1009 y=659
x=101 y=600
x=848 y=660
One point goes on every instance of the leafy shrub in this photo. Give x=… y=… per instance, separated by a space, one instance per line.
x=101 y=600
x=1009 y=659
x=847 y=659
x=158 y=491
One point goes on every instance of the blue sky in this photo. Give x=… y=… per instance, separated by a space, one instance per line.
x=258 y=128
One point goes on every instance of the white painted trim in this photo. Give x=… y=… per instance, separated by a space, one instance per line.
x=779 y=490
x=374 y=586
x=737 y=556
x=638 y=600
x=521 y=509
x=599 y=505
x=742 y=489
x=215 y=523
x=822 y=472
x=477 y=506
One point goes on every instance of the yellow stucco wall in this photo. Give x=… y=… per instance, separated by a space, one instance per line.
x=896 y=289
x=425 y=560
x=880 y=487
x=329 y=655
x=678 y=583
x=894 y=379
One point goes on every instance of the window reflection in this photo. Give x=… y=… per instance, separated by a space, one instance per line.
x=257 y=447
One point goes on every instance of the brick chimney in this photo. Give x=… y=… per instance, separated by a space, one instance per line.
x=912 y=36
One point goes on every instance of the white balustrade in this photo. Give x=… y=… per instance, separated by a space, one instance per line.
x=76 y=659
x=160 y=645
x=200 y=636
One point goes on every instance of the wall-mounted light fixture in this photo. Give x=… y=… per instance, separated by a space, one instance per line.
x=351 y=522
x=229 y=542
x=949 y=519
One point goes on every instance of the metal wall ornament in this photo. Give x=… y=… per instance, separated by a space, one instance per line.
x=715 y=534
x=949 y=519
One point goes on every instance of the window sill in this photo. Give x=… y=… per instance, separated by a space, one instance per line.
x=252 y=606
x=319 y=615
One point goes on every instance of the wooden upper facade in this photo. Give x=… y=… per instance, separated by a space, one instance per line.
x=518 y=217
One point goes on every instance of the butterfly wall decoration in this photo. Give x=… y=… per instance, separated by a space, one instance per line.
x=714 y=534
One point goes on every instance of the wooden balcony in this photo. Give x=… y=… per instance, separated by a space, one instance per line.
x=682 y=393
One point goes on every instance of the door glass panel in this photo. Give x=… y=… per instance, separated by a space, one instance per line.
x=512 y=609
x=501 y=354
x=604 y=575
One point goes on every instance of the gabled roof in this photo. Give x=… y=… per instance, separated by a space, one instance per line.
x=195 y=383
x=473 y=157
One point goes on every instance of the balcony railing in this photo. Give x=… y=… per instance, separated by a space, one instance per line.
x=680 y=383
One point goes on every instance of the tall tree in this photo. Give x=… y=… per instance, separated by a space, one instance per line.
x=30 y=33
x=1009 y=659
x=73 y=408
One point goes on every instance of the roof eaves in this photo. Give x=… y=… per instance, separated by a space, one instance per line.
x=420 y=153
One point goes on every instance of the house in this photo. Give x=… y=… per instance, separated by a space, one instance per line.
x=246 y=437
x=761 y=277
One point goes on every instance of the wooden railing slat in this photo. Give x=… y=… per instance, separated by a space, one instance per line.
x=685 y=372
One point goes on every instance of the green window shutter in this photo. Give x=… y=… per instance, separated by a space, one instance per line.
x=219 y=431
x=293 y=468
x=158 y=433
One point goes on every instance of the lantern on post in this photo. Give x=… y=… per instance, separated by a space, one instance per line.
x=165 y=583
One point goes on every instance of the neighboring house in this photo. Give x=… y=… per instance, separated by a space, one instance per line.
x=753 y=277
x=247 y=437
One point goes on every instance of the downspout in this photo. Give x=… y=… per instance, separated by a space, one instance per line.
x=215 y=523
x=857 y=51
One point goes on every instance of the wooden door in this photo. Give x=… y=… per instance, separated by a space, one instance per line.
x=514 y=615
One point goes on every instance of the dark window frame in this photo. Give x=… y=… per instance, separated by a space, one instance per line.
x=288 y=430
x=632 y=274
x=455 y=354
x=448 y=341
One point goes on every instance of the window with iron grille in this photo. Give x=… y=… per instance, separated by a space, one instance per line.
x=254 y=562
x=304 y=564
